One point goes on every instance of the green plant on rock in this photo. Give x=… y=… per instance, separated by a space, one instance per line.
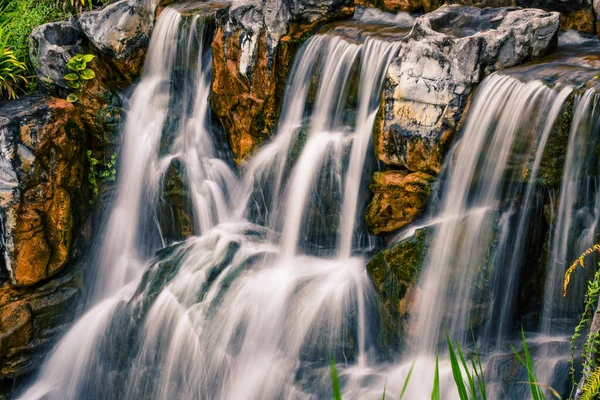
x=80 y=76
x=11 y=69
x=591 y=371
x=97 y=171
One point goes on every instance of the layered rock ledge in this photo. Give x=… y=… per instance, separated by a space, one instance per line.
x=428 y=88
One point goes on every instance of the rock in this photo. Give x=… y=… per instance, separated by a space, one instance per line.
x=399 y=197
x=574 y=14
x=51 y=46
x=394 y=272
x=253 y=49
x=121 y=31
x=447 y=53
x=176 y=217
x=43 y=167
x=31 y=320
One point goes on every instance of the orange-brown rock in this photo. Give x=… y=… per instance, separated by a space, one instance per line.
x=30 y=319
x=399 y=197
x=251 y=62
x=43 y=209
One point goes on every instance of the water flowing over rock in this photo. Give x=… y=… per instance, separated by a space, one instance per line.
x=428 y=89
x=253 y=50
x=446 y=54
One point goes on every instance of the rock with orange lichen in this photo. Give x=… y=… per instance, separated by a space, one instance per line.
x=253 y=49
x=44 y=146
x=398 y=198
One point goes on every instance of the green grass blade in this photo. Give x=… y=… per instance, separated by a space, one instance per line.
x=456 y=372
x=335 y=383
x=435 y=393
x=470 y=377
x=479 y=374
x=384 y=389
x=406 y=381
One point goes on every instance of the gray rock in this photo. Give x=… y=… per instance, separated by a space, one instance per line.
x=275 y=16
x=51 y=47
x=447 y=53
x=121 y=31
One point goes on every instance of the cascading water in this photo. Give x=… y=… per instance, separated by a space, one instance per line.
x=248 y=307
x=274 y=284
x=481 y=201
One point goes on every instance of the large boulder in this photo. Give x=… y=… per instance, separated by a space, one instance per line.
x=122 y=32
x=253 y=49
x=43 y=165
x=51 y=46
x=447 y=53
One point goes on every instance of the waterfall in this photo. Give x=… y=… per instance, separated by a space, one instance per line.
x=267 y=290
x=503 y=127
x=576 y=221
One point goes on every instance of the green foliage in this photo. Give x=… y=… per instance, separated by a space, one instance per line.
x=591 y=390
x=335 y=383
x=97 y=171
x=535 y=387
x=472 y=380
x=11 y=69
x=80 y=76
x=406 y=381
x=435 y=392
x=593 y=340
x=20 y=17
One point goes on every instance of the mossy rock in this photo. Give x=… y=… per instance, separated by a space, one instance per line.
x=394 y=272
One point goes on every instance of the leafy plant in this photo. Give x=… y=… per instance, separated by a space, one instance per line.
x=474 y=379
x=592 y=342
x=11 y=69
x=80 y=76
x=21 y=17
x=97 y=172
x=335 y=383
x=591 y=390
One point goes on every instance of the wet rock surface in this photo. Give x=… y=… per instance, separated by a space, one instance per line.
x=394 y=272
x=448 y=52
x=42 y=165
x=42 y=196
x=253 y=50
x=399 y=197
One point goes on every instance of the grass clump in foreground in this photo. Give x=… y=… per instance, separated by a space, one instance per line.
x=468 y=376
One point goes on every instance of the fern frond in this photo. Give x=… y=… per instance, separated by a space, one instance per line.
x=591 y=390
x=573 y=266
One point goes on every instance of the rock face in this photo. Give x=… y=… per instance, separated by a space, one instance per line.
x=42 y=200
x=51 y=47
x=43 y=167
x=121 y=31
x=394 y=272
x=399 y=196
x=574 y=14
x=253 y=48
x=447 y=53
x=427 y=93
